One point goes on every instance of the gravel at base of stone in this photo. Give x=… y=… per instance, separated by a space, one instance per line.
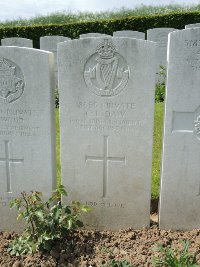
x=93 y=248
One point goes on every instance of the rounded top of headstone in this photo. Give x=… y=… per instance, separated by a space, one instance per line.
x=93 y=34
x=59 y=37
x=129 y=33
x=195 y=25
x=50 y=42
x=185 y=31
x=16 y=38
x=161 y=29
x=159 y=35
x=17 y=41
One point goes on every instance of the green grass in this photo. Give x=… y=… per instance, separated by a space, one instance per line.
x=58 y=147
x=157 y=147
x=72 y=17
x=171 y=257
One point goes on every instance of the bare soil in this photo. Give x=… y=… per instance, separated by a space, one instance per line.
x=93 y=248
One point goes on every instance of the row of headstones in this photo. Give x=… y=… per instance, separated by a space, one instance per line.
x=106 y=126
x=159 y=35
x=49 y=43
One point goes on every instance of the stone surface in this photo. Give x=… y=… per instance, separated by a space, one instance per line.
x=180 y=184
x=93 y=34
x=131 y=34
x=17 y=41
x=195 y=25
x=27 y=127
x=106 y=121
x=160 y=35
x=49 y=43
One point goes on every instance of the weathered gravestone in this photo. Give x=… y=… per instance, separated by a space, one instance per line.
x=17 y=41
x=27 y=127
x=131 y=34
x=106 y=119
x=160 y=35
x=195 y=25
x=49 y=43
x=180 y=183
x=93 y=34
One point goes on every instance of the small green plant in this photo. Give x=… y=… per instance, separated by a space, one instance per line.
x=160 y=86
x=56 y=98
x=114 y=263
x=160 y=92
x=47 y=222
x=175 y=258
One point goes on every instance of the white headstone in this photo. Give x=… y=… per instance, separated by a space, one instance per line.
x=17 y=41
x=93 y=34
x=106 y=121
x=130 y=34
x=27 y=127
x=195 y=25
x=49 y=43
x=180 y=184
x=160 y=35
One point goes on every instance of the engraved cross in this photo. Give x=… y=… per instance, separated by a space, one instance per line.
x=187 y=122
x=105 y=159
x=8 y=161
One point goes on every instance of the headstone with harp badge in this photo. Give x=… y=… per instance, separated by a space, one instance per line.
x=106 y=120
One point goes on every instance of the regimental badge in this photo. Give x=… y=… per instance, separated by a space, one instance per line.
x=106 y=71
x=197 y=127
x=11 y=81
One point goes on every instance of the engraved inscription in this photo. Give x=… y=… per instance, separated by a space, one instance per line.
x=197 y=127
x=105 y=159
x=193 y=60
x=192 y=43
x=111 y=116
x=115 y=125
x=18 y=122
x=187 y=122
x=7 y=160
x=105 y=204
x=106 y=105
x=11 y=81
x=106 y=72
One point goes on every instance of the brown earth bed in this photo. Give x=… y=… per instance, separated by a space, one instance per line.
x=94 y=248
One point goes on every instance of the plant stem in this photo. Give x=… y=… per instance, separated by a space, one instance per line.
x=27 y=209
